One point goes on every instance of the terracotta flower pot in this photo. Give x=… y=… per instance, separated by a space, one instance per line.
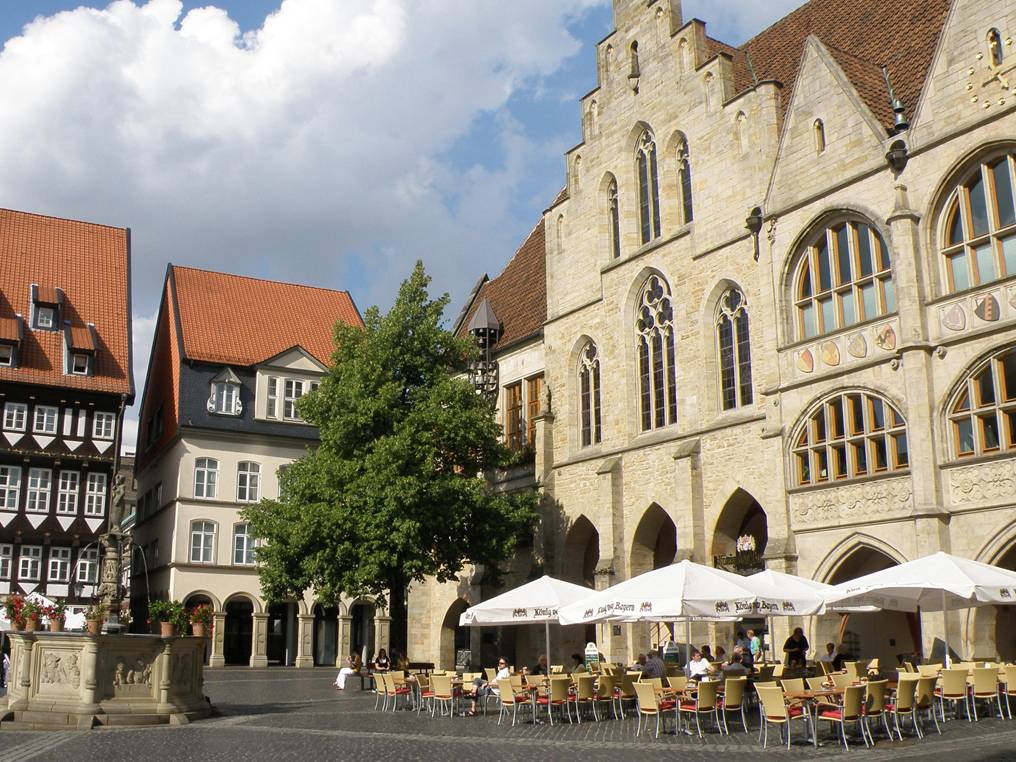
x=167 y=629
x=198 y=628
x=94 y=626
x=19 y=624
x=56 y=624
x=31 y=624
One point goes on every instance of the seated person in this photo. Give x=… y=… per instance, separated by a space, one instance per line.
x=578 y=664
x=706 y=653
x=830 y=655
x=699 y=666
x=481 y=687
x=654 y=666
x=721 y=654
x=841 y=656
x=744 y=656
x=353 y=667
x=541 y=667
x=381 y=661
x=639 y=665
x=735 y=667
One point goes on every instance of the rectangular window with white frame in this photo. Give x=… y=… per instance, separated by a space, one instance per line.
x=6 y=355
x=248 y=482
x=95 y=495
x=81 y=364
x=88 y=566
x=202 y=547
x=59 y=564
x=206 y=477
x=102 y=425
x=45 y=318
x=15 y=416
x=30 y=563
x=40 y=484
x=10 y=487
x=45 y=419
x=243 y=545
x=6 y=559
x=272 y=401
x=67 y=492
x=293 y=390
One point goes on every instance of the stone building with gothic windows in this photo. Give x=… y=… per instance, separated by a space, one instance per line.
x=780 y=315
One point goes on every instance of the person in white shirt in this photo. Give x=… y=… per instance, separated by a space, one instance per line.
x=830 y=654
x=698 y=667
x=484 y=688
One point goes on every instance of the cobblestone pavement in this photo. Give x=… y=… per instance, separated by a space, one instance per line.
x=286 y=714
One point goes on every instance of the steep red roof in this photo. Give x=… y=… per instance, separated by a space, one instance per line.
x=518 y=295
x=90 y=264
x=236 y=320
x=866 y=35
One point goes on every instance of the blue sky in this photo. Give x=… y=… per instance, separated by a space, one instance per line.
x=334 y=144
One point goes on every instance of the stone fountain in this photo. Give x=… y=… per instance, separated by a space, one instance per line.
x=76 y=680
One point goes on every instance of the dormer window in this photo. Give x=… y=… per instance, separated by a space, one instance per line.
x=11 y=330
x=225 y=394
x=7 y=355
x=79 y=350
x=46 y=301
x=80 y=364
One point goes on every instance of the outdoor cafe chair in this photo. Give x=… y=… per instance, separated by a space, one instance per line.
x=424 y=691
x=841 y=679
x=874 y=666
x=733 y=700
x=815 y=683
x=558 y=696
x=853 y=669
x=904 y=705
x=490 y=673
x=777 y=670
x=775 y=711
x=396 y=689
x=585 y=694
x=556 y=669
x=1007 y=686
x=953 y=688
x=605 y=687
x=516 y=681
x=924 y=700
x=511 y=701
x=704 y=703
x=826 y=667
x=985 y=688
x=929 y=670
x=874 y=707
x=909 y=667
x=677 y=683
x=381 y=692
x=850 y=711
x=443 y=695
x=792 y=684
x=650 y=706
x=626 y=692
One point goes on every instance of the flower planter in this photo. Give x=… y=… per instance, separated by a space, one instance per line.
x=94 y=626
x=19 y=624
x=32 y=624
x=167 y=629
x=56 y=625
x=198 y=629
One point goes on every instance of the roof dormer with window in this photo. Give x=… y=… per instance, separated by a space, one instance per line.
x=46 y=305
x=79 y=350
x=224 y=398
x=12 y=331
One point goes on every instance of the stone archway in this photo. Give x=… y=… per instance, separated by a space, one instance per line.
x=454 y=638
x=361 y=628
x=239 y=630
x=885 y=635
x=326 y=633
x=654 y=545
x=1005 y=616
x=742 y=517
x=581 y=553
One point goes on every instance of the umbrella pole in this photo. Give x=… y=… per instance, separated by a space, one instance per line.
x=546 y=628
x=687 y=642
x=945 y=629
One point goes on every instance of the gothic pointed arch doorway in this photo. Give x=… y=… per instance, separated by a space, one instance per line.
x=741 y=534
x=654 y=545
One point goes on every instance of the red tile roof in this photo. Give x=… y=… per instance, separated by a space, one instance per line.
x=236 y=320
x=91 y=264
x=518 y=295
x=863 y=36
x=81 y=338
x=10 y=329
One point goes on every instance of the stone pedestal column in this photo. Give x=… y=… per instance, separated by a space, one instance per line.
x=259 y=646
x=218 y=655
x=382 y=633
x=345 y=627
x=305 y=641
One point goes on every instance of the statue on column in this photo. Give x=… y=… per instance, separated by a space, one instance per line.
x=109 y=592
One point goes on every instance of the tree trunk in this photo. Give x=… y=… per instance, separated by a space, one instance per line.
x=399 y=634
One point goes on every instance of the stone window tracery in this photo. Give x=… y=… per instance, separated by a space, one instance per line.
x=654 y=326
x=614 y=219
x=982 y=415
x=979 y=231
x=850 y=435
x=733 y=338
x=649 y=187
x=589 y=395
x=684 y=181
x=844 y=278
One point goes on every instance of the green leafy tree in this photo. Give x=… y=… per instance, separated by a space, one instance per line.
x=392 y=493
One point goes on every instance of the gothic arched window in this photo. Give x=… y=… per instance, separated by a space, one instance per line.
x=979 y=236
x=654 y=324
x=589 y=395
x=735 y=350
x=649 y=187
x=983 y=413
x=614 y=215
x=684 y=181
x=845 y=277
x=850 y=435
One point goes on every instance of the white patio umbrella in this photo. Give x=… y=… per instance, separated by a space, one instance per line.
x=933 y=583
x=533 y=602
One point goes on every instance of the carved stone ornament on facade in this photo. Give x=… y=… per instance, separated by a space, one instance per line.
x=983 y=483
x=61 y=670
x=138 y=672
x=853 y=502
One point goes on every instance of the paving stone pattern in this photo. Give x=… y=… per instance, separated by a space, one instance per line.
x=281 y=714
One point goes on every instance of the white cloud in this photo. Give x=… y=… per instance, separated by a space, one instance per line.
x=312 y=149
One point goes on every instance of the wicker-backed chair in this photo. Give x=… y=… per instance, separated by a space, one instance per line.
x=874 y=707
x=705 y=703
x=924 y=700
x=511 y=701
x=904 y=705
x=775 y=711
x=953 y=688
x=985 y=688
x=734 y=690
x=650 y=706
x=850 y=711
